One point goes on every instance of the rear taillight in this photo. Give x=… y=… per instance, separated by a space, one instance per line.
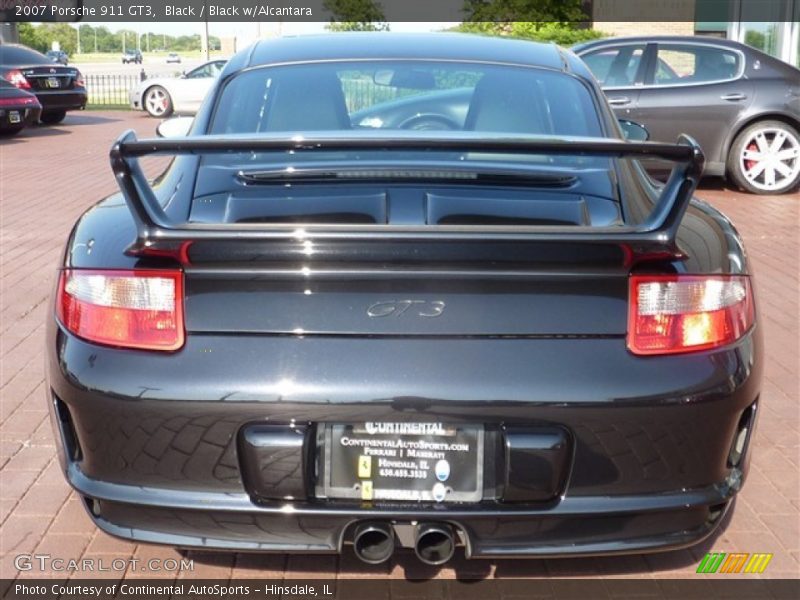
x=28 y=101
x=131 y=309
x=670 y=314
x=15 y=77
x=79 y=81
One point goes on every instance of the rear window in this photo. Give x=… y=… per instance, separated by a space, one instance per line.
x=406 y=95
x=13 y=55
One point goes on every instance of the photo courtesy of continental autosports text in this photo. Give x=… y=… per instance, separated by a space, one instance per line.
x=190 y=590
x=353 y=299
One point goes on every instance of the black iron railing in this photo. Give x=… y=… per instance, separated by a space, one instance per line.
x=114 y=90
x=110 y=90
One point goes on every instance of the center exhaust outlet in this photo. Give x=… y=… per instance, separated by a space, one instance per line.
x=373 y=543
x=435 y=543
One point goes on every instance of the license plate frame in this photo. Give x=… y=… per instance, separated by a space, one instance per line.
x=459 y=480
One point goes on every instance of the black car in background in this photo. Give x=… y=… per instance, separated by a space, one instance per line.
x=58 y=88
x=314 y=333
x=58 y=56
x=18 y=109
x=740 y=104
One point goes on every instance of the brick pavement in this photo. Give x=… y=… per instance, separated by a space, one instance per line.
x=48 y=176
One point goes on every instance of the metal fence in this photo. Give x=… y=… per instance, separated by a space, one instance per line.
x=110 y=90
x=113 y=90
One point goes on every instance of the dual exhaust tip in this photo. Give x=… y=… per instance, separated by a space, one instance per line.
x=434 y=543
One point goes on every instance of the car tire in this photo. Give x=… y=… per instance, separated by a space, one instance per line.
x=157 y=102
x=53 y=117
x=765 y=158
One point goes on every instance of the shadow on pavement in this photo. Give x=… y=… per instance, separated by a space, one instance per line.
x=407 y=566
x=90 y=118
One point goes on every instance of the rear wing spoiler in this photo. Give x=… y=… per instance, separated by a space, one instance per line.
x=157 y=233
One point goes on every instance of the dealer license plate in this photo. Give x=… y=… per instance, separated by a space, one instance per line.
x=426 y=462
x=14 y=116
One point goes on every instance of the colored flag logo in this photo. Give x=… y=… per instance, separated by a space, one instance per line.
x=734 y=562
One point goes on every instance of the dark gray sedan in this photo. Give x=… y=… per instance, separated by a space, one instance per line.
x=741 y=105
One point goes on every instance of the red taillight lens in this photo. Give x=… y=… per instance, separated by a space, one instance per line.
x=670 y=314
x=15 y=77
x=79 y=81
x=131 y=309
x=30 y=101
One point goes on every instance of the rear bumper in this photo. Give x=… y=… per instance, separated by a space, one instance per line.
x=63 y=100
x=650 y=437
x=580 y=526
x=135 y=99
x=28 y=116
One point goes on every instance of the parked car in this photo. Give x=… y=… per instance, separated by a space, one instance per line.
x=132 y=56
x=58 y=88
x=742 y=105
x=308 y=336
x=173 y=57
x=161 y=96
x=18 y=108
x=58 y=56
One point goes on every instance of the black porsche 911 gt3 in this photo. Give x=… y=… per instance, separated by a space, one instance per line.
x=312 y=333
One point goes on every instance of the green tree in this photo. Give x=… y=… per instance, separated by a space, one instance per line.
x=533 y=11
x=560 y=21
x=41 y=37
x=355 y=15
x=107 y=41
x=27 y=35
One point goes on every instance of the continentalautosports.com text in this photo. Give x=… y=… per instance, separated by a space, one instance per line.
x=47 y=562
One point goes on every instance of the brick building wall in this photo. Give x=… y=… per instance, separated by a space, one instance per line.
x=623 y=28
x=623 y=17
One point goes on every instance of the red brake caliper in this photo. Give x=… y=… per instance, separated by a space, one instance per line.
x=749 y=164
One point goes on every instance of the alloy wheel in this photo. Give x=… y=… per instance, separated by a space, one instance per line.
x=770 y=158
x=157 y=101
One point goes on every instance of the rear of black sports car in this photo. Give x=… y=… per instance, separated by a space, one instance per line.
x=505 y=338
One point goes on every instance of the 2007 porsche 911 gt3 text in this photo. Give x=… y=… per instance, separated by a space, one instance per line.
x=318 y=329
